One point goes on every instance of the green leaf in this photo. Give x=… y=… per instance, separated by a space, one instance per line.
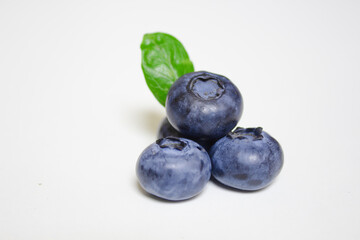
x=164 y=60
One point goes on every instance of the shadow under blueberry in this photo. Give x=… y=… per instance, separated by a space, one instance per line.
x=152 y=121
x=219 y=184
x=148 y=120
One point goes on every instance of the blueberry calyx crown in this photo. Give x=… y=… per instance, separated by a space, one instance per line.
x=206 y=87
x=245 y=133
x=171 y=142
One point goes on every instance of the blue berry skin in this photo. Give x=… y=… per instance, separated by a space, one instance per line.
x=166 y=130
x=173 y=168
x=246 y=159
x=203 y=105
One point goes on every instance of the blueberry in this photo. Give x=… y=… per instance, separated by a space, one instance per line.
x=173 y=168
x=166 y=130
x=246 y=159
x=203 y=105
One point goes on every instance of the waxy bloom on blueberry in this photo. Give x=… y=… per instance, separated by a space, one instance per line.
x=246 y=159
x=203 y=105
x=173 y=168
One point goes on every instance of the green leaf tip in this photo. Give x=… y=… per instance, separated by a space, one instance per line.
x=163 y=60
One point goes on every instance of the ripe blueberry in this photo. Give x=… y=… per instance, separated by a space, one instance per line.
x=173 y=168
x=203 y=105
x=166 y=130
x=246 y=159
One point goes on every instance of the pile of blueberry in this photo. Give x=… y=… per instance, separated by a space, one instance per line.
x=196 y=141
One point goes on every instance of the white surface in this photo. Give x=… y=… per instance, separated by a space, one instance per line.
x=75 y=113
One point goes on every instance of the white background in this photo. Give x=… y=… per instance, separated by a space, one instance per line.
x=75 y=114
